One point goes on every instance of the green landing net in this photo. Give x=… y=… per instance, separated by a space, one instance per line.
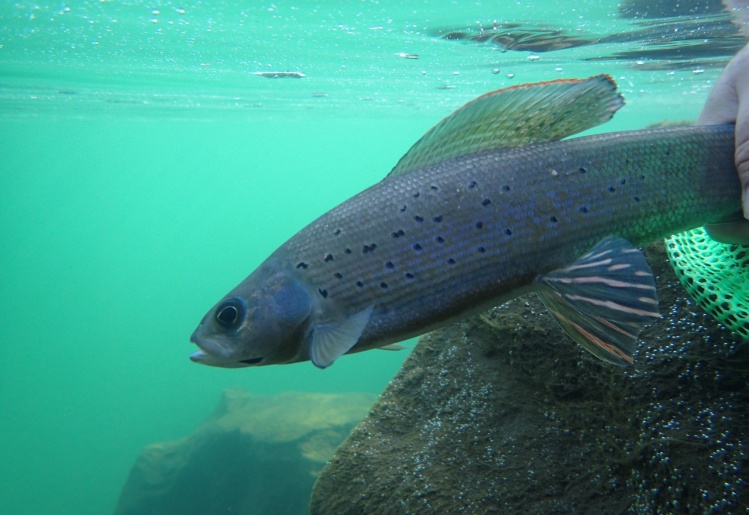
x=716 y=275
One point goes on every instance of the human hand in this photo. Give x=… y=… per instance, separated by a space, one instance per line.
x=728 y=102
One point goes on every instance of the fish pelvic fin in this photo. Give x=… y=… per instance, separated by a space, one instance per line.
x=516 y=116
x=604 y=299
x=331 y=340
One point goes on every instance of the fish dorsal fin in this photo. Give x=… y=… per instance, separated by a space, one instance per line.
x=516 y=116
x=331 y=340
x=604 y=299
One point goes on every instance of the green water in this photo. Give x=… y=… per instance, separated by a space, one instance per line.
x=146 y=169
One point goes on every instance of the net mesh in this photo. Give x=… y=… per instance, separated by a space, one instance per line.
x=716 y=275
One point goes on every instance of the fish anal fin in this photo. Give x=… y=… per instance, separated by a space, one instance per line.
x=604 y=299
x=516 y=116
x=331 y=340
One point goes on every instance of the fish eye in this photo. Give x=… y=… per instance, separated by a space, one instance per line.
x=229 y=313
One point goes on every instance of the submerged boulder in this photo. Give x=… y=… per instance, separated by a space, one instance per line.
x=504 y=412
x=255 y=454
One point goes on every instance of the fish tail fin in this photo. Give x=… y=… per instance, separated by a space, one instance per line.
x=604 y=299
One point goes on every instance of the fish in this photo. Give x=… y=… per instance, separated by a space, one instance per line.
x=491 y=203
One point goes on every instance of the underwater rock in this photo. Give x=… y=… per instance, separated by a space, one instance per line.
x=255 y=454
x=504 y=412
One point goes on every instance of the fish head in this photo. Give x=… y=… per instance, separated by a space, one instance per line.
x=262 y=321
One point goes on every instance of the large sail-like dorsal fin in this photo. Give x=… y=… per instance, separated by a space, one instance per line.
x=516 y=116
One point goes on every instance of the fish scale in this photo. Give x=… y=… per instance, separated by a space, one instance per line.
x=556 y=200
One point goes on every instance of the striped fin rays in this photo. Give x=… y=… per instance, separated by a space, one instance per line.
x=603 y=299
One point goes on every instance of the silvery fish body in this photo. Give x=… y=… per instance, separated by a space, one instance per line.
x=449 y=234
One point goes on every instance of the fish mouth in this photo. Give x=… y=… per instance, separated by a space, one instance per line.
x=210 y=347
x=213 y=354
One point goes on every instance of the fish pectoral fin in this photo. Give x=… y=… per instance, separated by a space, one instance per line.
x=604 y=299
x=331 y=340
x=516 y=116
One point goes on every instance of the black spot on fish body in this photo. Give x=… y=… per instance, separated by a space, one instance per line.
x=338 y=275
x=479 y=225
x=359 y=284
x=347 y=251
x=302 y=265
x=486 y=202
x=390 y=265
x=583 y=209
x=416 y=195
x=472 y=185
x=398 y=233
x=419 y=218
x=636 y=198
x=439 y=239
x=582 y=170
x=437 y=219
x=323 y=292
x=506 y=188
x=328 y=257
x=417 y=247
x=403 y=209
x=434 y=188
x=508 y=232
x=409 y=275
x=368 y=248
x=611 y=189
x=383 y=285
x=481 y=249
x=451 y=261
x=553 y=219
x=337 y=232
